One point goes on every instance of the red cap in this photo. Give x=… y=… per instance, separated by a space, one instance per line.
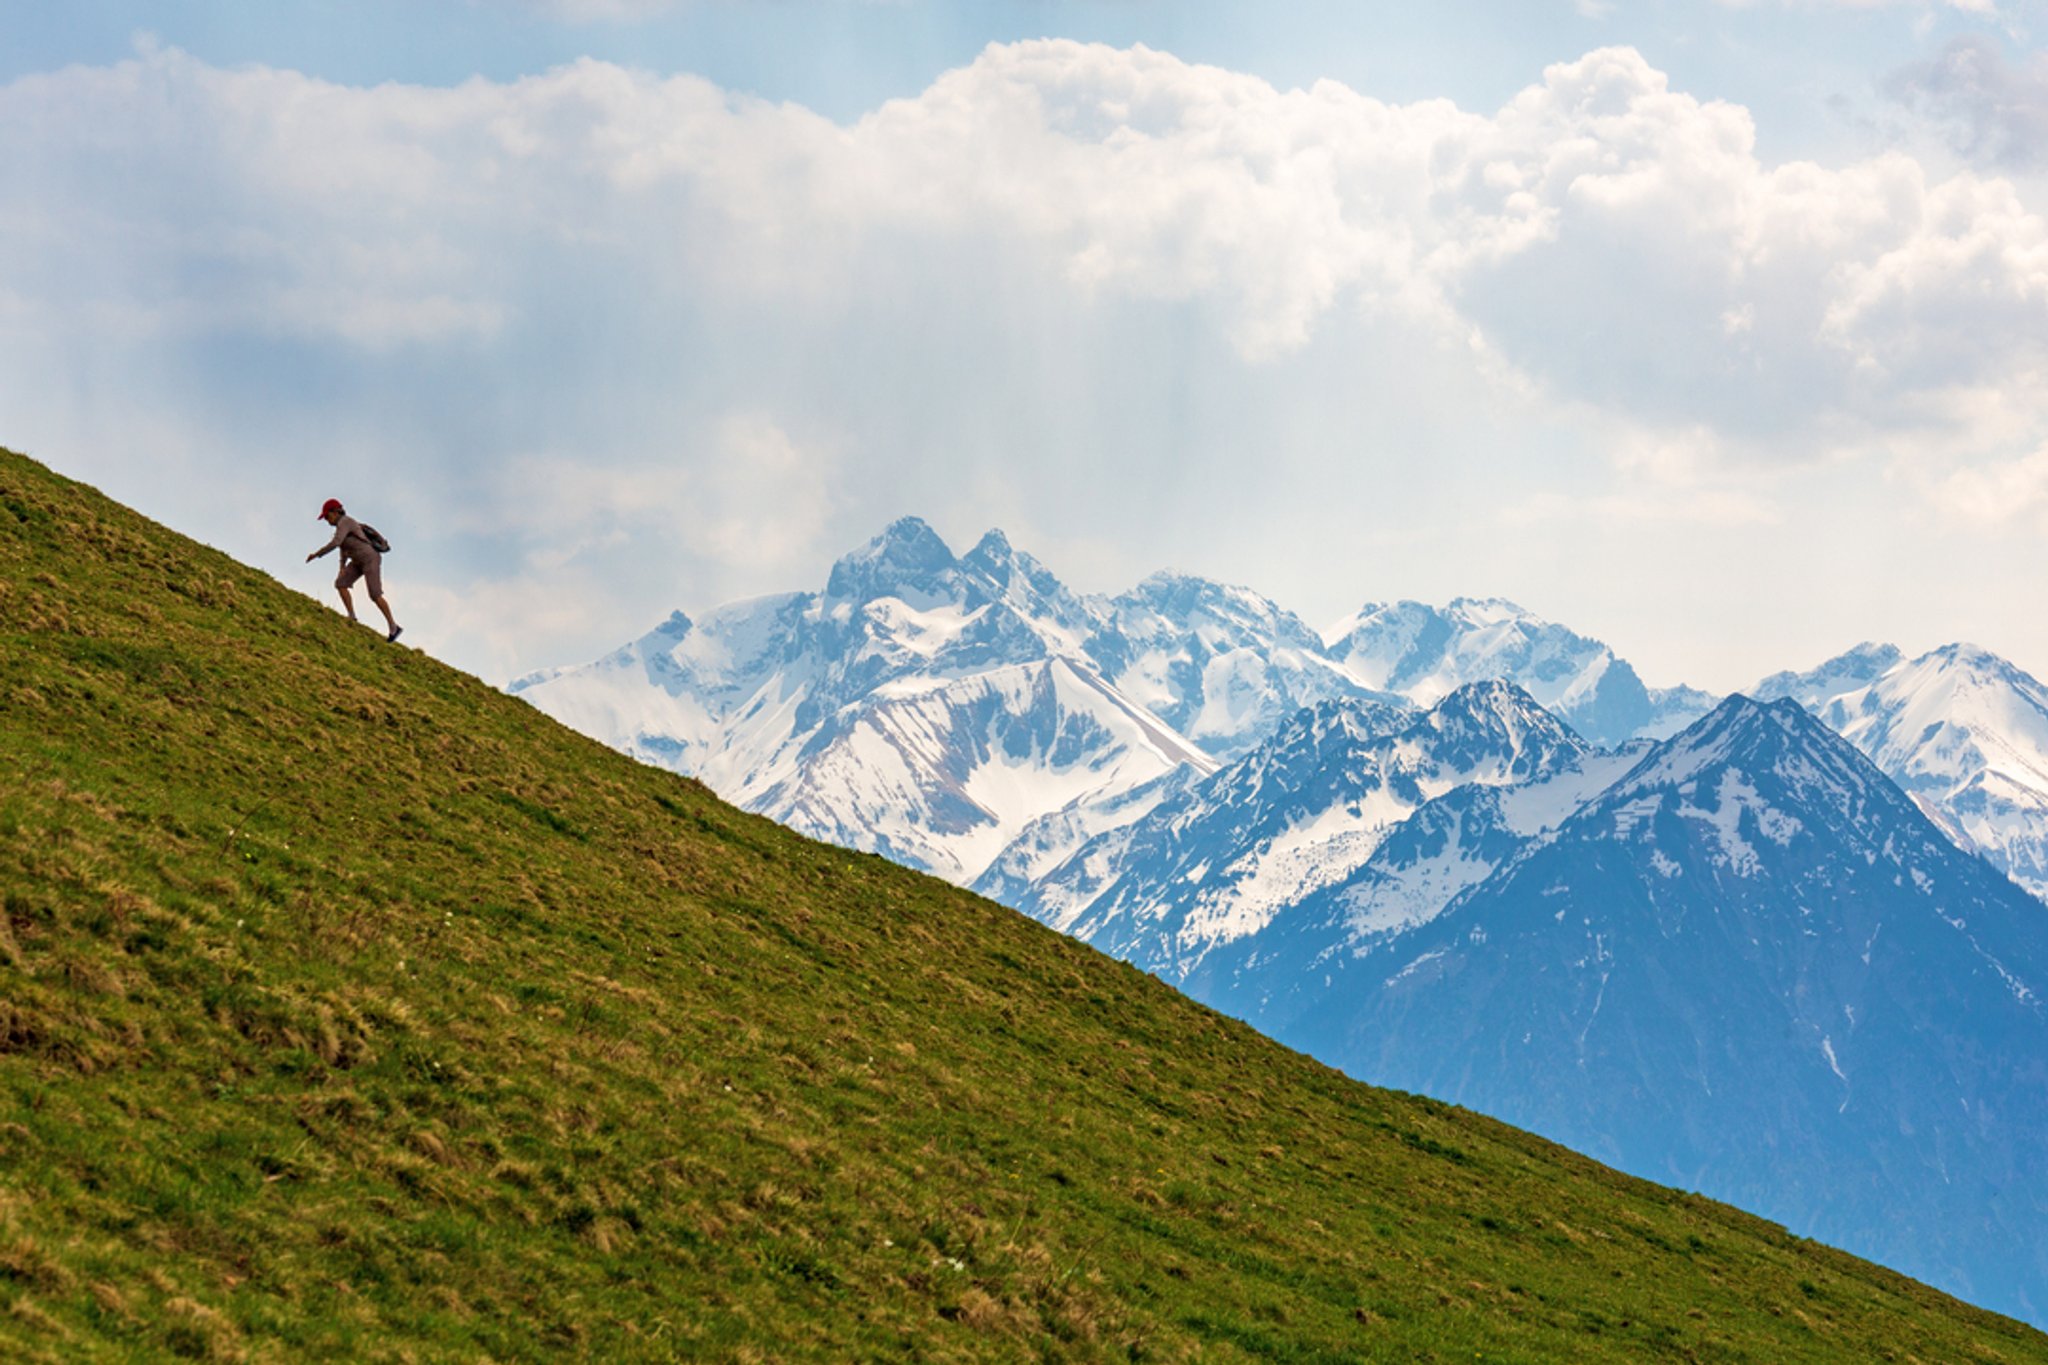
x=331 y=505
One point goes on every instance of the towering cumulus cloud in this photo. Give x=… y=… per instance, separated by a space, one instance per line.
x=1616 y=241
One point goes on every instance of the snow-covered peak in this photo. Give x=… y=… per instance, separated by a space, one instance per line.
x=993 y=547
x=1316 y=739
x=1424 y=652
x=1191 y=617
x=1961 y=729
x=1490 y=611
x=1497 y=717
x=1853 y=668
x=1003 y=564
x=1392 y=627
x=1490 y=732
x=1219 y=611
x=1221 y=664
x=1010 y=576
x=1778 y=747
x=1303 y=812
x=1936 y=721
x=1740 y=724
x=1965 y=658
x=906 y=560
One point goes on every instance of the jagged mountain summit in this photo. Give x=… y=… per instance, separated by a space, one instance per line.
x=1753 y=967
x=1962 y=730
x=923 y=706
x=974 y=717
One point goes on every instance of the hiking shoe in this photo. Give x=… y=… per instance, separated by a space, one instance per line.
x=396 y=631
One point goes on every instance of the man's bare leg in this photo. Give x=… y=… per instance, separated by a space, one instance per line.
x=347 y=603
x=385 y=607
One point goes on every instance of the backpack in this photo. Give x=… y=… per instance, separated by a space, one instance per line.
x=376 y=539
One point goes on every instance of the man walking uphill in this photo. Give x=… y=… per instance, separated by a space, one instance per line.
x=360 y=558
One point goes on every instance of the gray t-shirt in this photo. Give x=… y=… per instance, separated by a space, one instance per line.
x=349 y=539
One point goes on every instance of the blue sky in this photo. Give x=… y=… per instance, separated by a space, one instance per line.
x=844 y=57
x=1715 y=330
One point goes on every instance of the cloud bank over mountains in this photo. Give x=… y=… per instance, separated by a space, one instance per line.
x=597 y=279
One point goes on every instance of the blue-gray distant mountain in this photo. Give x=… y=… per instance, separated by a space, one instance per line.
x=1751 y=967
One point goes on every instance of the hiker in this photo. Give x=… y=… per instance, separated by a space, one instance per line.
x=360 y=558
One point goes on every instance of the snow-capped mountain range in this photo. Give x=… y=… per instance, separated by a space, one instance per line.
x=1778 y=947
x=939 y=709
x=1302 y=812
x=974 y=717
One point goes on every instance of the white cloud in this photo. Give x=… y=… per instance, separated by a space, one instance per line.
x=1997 y=494
x=1996 y=110
x=764 y=500
x=1712 y=507
x=506 y=621
x=748 y=493
x=1617 y=241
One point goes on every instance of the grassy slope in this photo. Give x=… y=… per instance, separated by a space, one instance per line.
x=348 y=1007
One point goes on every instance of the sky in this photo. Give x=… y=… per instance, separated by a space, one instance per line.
x=1718 y=331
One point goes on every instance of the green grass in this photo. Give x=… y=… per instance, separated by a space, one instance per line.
x=351 y=1009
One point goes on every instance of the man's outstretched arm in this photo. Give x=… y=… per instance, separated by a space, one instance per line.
x=333 y=544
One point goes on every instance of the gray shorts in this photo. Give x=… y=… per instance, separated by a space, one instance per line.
x=370 y=569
